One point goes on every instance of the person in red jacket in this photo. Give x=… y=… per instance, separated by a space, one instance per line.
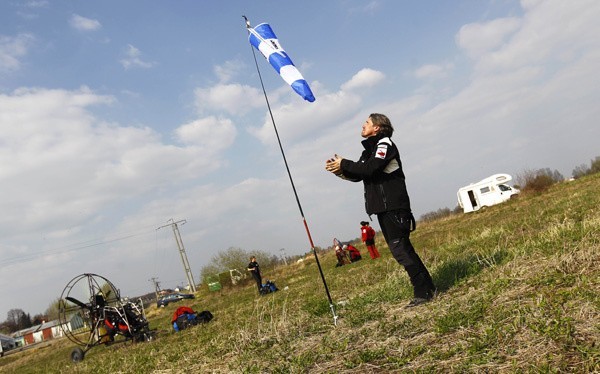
x=368 y=237
x=353 y=252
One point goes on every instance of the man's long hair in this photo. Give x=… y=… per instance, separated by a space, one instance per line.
x=384 y=124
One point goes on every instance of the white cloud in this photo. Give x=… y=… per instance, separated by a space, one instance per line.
x=299 y=120
x=12 y=49
x=231 y=98
x=29 y=7
x=63 y=166
x=432 y=71
x=371 y=7
x=210 y=133
x=84 y=24
x=364 y=78
x=550 y=33
x=36 y=4
x=479 y=38
x=228 y=70
x=133 y=59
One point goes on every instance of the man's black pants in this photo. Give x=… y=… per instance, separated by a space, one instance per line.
x=258 y=280
x=396 y=227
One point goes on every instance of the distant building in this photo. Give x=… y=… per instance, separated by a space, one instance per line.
x=7 y=343
x=39 y=333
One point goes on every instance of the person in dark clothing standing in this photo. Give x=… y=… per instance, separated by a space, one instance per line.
x=254 y=269
x=380 y=169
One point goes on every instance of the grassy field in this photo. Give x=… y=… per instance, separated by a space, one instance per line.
x=520 y=292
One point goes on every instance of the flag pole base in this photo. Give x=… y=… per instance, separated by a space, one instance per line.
x=335 y=316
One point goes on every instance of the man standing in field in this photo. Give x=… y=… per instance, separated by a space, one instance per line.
x=254 y=269
x=380 y=169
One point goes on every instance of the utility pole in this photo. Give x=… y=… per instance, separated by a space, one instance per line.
x=184 y=260
x=284 y=258
x=156 y=286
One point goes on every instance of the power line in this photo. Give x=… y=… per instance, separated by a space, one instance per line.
x=66 y=249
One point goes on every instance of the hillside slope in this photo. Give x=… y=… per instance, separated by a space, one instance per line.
x=520 y=291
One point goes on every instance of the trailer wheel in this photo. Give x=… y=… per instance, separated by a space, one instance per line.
x=77 y=354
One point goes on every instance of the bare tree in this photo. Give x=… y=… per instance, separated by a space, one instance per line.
x=17 y=319
x=52 y=310
x=595 y=165
x=538 y=180
x=580 y=171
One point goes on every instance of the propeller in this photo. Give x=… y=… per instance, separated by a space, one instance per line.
x=77 y=302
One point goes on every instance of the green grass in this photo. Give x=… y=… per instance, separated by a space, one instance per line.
x=520 y=292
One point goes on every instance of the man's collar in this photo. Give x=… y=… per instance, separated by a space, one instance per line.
x=371 y=141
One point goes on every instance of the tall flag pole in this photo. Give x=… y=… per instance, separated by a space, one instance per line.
x=263 y=39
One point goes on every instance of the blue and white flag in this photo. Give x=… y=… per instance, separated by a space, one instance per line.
x=263 y=38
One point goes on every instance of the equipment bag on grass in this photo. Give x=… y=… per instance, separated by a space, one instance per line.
x=268 y=288
x=185 y=317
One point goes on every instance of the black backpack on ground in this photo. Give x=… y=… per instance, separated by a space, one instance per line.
x=268 y=288
x=204 y=316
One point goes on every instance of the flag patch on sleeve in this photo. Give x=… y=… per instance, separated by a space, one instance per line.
x=381 y=151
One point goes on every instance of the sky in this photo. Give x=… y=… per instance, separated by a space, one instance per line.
x=116 y=117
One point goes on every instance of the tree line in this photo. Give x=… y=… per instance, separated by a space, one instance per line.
x=238 y=259
x=17 y=319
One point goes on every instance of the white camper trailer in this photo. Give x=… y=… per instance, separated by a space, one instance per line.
x=490 y=191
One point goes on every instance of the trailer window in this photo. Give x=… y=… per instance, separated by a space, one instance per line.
x=503 y=187
x=485 y=190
